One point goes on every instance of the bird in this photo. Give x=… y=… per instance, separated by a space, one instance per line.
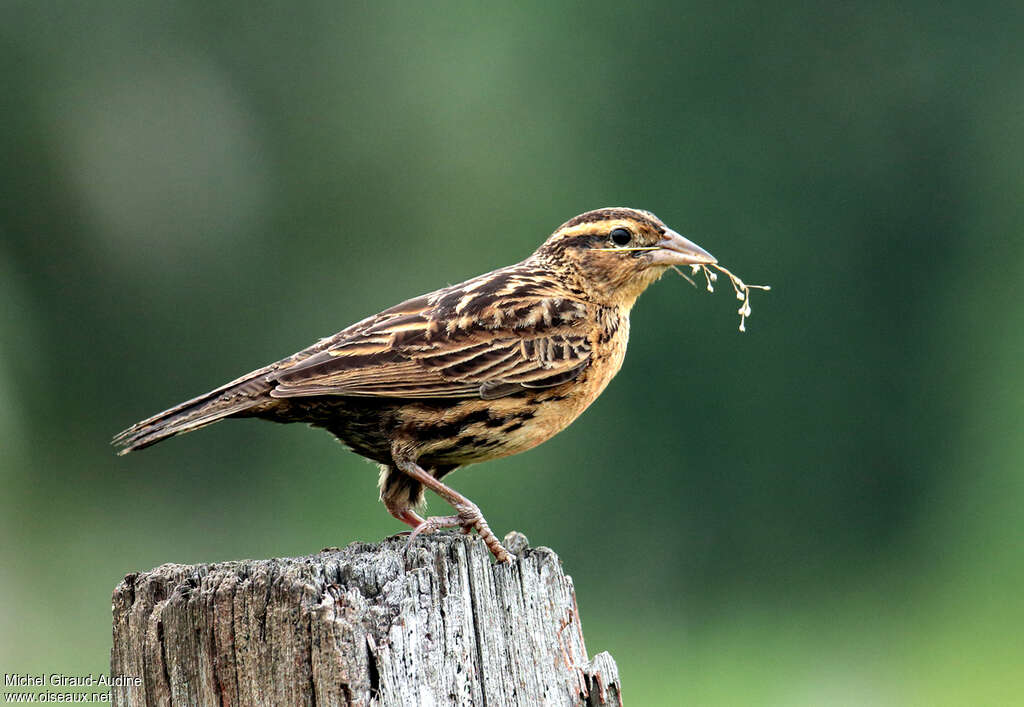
x=483 y=369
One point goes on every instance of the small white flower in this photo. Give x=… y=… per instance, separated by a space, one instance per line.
x=741 y=288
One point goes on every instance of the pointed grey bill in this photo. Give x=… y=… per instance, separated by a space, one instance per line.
x=673 y=249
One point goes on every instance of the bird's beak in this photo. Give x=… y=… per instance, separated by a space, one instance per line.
x=673 y=249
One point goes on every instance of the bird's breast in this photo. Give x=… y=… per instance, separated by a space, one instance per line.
x=609 y=342
x=478 y=430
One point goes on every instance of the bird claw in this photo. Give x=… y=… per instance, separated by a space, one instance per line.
x=469 y=518
x=433 y=523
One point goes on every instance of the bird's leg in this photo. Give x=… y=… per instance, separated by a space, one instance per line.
x=407 y=516
x=400 y=495
x=468 y=515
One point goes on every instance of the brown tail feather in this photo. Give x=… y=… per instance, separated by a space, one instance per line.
x=236 y=397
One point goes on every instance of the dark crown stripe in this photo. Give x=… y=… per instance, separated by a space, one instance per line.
x=612 y=214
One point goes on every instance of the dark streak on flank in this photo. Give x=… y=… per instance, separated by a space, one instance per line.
x=472 y=441
x=607 y=332
x=452 y=429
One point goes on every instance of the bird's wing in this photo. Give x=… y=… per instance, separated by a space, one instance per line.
x=465 y=341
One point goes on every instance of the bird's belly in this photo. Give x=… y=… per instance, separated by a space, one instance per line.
x=477 y=430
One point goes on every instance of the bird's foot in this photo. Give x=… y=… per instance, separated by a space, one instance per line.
x=469 y=518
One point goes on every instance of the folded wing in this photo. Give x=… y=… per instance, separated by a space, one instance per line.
x=469 y=342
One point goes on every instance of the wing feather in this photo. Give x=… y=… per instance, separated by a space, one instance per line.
x=456 y=343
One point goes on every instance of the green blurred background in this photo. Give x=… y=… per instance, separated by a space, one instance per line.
x=822 y=511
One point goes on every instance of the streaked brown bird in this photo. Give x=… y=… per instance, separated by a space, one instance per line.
x=487 y=368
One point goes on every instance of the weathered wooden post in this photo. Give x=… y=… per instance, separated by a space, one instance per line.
x=436 y=623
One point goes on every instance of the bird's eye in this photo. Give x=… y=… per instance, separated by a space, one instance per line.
x=621 y=236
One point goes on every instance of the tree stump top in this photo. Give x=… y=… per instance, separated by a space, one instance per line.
x=434 y=623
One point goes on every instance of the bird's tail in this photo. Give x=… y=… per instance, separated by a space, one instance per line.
x=239 y=397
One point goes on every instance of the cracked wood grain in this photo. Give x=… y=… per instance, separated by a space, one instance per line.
x=368 y=625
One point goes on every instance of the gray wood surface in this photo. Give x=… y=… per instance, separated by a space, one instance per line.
x=437 y=623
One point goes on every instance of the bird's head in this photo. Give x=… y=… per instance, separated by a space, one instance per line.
x=616 y=253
